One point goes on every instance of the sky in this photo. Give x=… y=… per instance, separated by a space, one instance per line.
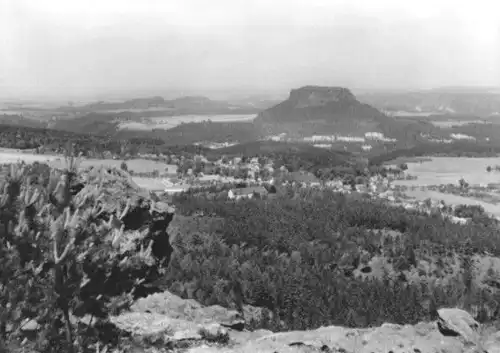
x=62 y=47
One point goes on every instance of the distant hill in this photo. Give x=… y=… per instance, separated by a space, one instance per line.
x=187 y=133
x=453 y=100
x=96 y=123
x=19 y=120
x=311 y=103
x=466 y=89
x=315 y=110
x=198 y=132
x=310 y=110
x=158 y=106
x=139 y=103
x=106 y=117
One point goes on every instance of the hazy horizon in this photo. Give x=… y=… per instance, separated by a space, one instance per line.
x=76 y=48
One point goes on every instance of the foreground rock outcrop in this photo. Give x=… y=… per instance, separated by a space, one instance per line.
x=167 y=321
x=173 y=321
x=138 y=210
x=140 y=221
x=420 y=338
x=77 y=244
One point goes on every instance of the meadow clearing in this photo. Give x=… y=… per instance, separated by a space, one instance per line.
x=452 y=123
x=136 y=110
x=404 y=114
x=169 y=122
x=135 y=165
x=152 y=184
x=450 y=199
x=449 y=170
x=10 y=155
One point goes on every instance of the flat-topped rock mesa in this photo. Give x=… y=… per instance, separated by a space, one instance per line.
x=315 y=96
x=316 y=103
x=318 y=110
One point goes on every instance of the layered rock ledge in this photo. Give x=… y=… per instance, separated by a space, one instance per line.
x=166 y=321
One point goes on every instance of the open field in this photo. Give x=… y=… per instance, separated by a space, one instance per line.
x=169 y=122
x=152 y=184
x=156 y=184
x=404 y=114
x=452 y=123
x=400 y=160
x=8 y=155
x=135 y=165
x=448 y=170
x=451 y=199
x=135 y=110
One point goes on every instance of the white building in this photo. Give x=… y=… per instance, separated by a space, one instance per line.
x=173 y=188
x=350 y=139
x=378 y=136
x=462 y=137
x=176 y=190
x=374 y=135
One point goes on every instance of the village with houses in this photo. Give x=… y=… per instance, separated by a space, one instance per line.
x=239 y=178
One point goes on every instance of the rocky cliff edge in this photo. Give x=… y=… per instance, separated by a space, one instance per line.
x=166 y=322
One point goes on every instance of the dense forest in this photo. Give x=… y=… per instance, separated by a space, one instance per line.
x=307 y=256
x=89 y=145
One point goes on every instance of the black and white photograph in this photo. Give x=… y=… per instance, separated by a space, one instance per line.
x=249 y=176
